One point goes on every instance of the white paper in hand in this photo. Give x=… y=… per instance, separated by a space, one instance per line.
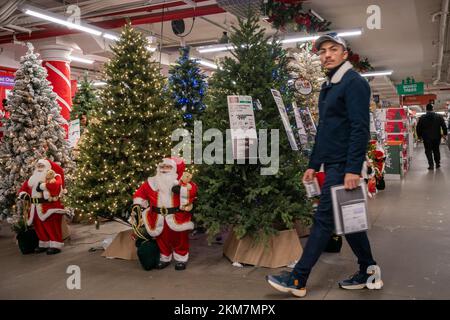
x=312 y=188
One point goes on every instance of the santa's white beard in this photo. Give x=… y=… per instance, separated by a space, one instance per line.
x=38 y=176
x=165 y=181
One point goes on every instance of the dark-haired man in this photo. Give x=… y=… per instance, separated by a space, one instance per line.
x=341 y=146
x=431 y=128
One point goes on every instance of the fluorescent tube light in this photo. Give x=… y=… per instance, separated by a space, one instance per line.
x=300 y=39
x=110 y=36
x=82 y=60
x=63 y=22
x=99 y=83
x=350 y=33
x=377 y=73
x=293 y=39
x=214 y=48
x=207 y=64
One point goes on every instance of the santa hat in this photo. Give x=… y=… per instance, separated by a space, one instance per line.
x=53 y=166
x=177 y=165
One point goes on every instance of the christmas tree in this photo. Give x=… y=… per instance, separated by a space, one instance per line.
x=188 y=87
x=238 y=195
x=129 y=131
x=83 y=102
x=306 y=76
x=33 y=131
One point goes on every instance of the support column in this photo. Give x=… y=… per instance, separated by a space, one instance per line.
x=56 y=59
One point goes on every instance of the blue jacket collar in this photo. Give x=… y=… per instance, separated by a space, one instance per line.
x=337 y=77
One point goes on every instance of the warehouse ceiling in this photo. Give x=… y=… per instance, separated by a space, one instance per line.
x=407 y=43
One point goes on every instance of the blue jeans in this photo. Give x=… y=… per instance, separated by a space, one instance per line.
x=323 y=227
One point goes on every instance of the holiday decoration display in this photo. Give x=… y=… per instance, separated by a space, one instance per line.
x=33 y=130
x=360 y=64
x=237 y=195
x=131 y=132
x=42 y=194
x=375 y=168
x=306 y=76
x=162 y=209
x=187 y=87
x=290 y=15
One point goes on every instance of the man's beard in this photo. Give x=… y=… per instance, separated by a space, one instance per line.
x=38 y=176
x=165 y=181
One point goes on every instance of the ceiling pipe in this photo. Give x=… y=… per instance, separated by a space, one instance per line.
x=117 y=23
x=442 y=37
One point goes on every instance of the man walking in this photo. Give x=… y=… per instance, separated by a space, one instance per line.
x=429 y=130
x=341 y=145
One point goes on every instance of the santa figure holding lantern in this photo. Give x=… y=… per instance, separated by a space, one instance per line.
x=166 y=201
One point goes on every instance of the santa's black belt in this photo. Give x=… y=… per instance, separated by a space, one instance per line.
x=39 y=200
x=165 y=211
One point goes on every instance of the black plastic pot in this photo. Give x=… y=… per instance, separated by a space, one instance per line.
x=28 y=241
x=334 y=245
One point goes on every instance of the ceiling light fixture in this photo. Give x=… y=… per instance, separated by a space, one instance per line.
x=207 y=64
x=82 y=60
x=110 y=36
x=295 y=38
x=99 y=83
x=377 y=73
x=62 y=20
x=35 y=12
x=214 y=48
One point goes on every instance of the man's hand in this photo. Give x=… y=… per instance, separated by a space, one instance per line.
x=351 y=181
x=309 y=175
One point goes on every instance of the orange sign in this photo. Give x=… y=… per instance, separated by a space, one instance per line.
x=418 y=100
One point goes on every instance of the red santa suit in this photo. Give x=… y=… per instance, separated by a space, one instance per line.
x=46 y=210
x=164 y=217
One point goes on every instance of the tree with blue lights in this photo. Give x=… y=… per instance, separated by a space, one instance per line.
x=188 y=87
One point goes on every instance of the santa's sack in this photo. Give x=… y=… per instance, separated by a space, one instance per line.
x=27 y=240
x=148 y=253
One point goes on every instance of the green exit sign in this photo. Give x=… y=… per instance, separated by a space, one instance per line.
x=409 y=86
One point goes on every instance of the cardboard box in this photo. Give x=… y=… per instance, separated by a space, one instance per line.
x=122 y=247
x=402 y=137
x=395 y=114
x=302 y=230
x=395 y=127
x=281 y=250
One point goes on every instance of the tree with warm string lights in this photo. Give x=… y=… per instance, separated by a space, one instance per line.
x=187 y=87
x=129 y=132
x=33 y=131
x=238 y=195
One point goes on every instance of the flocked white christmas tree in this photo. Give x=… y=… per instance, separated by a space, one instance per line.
x=33 y=130
x=305 y=65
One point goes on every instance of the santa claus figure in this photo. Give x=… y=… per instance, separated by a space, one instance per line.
x=44 y=190
x=166 y=200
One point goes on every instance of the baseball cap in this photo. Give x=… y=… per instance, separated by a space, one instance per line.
x=330 y=37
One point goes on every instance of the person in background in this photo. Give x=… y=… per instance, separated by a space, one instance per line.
x=341 y=146
x=431 y=129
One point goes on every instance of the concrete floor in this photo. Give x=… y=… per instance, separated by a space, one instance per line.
x=410 y=239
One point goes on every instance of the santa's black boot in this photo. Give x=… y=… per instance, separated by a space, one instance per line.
x=53 y=251
x=180 y=266
x=162 y=265
x=40 y=250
